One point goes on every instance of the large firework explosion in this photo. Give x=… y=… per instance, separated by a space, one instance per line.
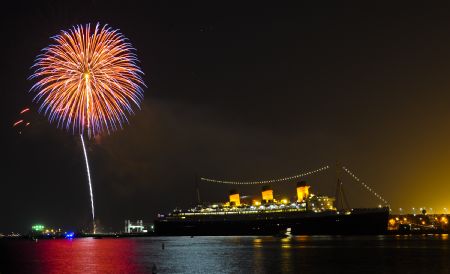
x=88 y=80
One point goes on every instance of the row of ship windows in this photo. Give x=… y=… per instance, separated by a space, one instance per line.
x=239 y=212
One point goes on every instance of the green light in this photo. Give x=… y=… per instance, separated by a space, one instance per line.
x=38 y=227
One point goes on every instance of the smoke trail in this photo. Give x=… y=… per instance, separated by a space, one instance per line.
x=89 y=180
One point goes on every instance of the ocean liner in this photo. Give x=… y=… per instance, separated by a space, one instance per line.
x=309 y=214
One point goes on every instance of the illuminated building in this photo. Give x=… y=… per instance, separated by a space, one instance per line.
x=135 y=227
x=38 y=228
x=40 y=231
x=302 y=191
x=234 y=198
x=394 y=224
x=429 y=223
x=267 y=194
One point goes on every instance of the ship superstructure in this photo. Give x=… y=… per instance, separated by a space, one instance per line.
x=267 y=204
x=307 y=214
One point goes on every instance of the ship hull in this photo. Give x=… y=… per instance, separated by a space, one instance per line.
x=367 y=221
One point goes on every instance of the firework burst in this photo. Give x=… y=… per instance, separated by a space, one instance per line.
x=88 y=80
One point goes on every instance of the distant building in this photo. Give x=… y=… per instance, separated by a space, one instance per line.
x=135 y=227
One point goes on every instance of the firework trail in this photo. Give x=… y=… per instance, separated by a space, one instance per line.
x=89 y=180
x=88 y=81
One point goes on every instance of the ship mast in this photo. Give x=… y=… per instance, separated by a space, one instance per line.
x=197 y=188
x=341 y=199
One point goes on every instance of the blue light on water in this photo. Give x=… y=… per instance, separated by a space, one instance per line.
x=69 y=235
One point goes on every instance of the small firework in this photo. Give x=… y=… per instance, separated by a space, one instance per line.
x=22 y=122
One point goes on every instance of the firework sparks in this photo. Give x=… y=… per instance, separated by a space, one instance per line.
x=23 y=121
x=88 y=80
x=24 y=110
x=17 y=123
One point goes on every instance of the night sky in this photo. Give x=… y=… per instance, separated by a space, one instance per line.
x=236 y=92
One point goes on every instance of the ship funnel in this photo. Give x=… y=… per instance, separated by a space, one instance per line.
x=302 y=191
x=267 y=194
x=234 y=198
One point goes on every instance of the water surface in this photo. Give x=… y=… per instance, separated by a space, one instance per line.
x=301 y=254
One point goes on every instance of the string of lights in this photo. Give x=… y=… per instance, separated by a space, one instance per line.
x=365 y=185
x=265 y=181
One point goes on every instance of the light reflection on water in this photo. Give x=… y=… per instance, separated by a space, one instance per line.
x=301 y=254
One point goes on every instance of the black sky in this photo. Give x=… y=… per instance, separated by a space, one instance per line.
x=236 y=92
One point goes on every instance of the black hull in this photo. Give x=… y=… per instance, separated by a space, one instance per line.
x=358 y=223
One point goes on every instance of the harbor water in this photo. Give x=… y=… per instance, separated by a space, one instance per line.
x=299 y=254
